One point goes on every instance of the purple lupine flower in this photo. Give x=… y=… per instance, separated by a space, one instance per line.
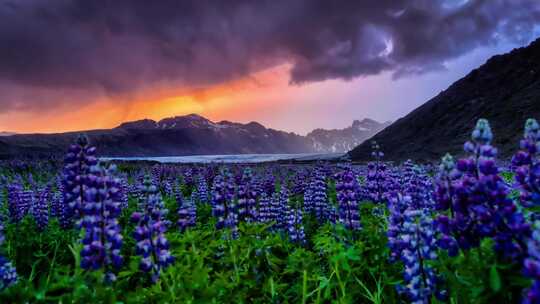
x=415 y=183
x=264 y=209
x=56 y=204
x=295 y=228
x=347 y=190
x=397 y=204
x=532 y=268
x=124 y=190
x=247 y=197
x=8 y=274
x=330 y=213
x=152 y=245
x=269 y=184
x=40 y=211
x=309 y=205
x=317 y=198
x=299 y=183
x=278 y=209
x=526 y=165
x=417 y=244
x=479 y=203
x=77 y=163
x=202 y=190
x=187 y=213
x=223 y=205
x=376 y=176
x=16 y=206
x=102 y=239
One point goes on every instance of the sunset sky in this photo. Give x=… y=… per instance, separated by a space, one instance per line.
x=291 y=65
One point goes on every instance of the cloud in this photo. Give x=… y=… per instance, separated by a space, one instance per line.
x=77 y=51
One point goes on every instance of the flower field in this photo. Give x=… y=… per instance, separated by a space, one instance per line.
x=79 y=230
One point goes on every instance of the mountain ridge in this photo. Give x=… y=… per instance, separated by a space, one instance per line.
x=505 y=90
x=191 y=135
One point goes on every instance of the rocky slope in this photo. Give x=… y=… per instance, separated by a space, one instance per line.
x=505 y=90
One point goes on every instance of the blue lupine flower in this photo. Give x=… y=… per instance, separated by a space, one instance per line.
x=102 y=239
x=532 y=268
x=411 y=238
x=223 y=205
x=8 y=273
x=478 y=201
x=264 y=209
x=152 y=245
x=295 y=228
x=246 y=197
x=187 y=213
x=77 y=163
x=526 y=165
x=315 y=195
x=347 y=192
x=19 y=201
x=40 y=210
x=202 y=189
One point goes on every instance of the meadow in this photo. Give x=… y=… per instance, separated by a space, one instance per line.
x=81 y=230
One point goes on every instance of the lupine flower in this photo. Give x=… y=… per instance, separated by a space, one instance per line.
x=223 y=205
x=269 y=184
x=278 y=209
x=102 y=239
x=8 y=274
x=187 y=213
x=416 y=184
x=397 y=205
x=295 y=228
x=347 y=190
x=526 y=165
x=247 y=197
x=264 y=209
x=417 y=245
x=532 y=268
x=168 y=187
x=152 y=245
x=124 y=190
x=479 y=202
x=317 y=199
x=309 y=205
x=178 y=196
x=376 y=177
x=40 y=211
x=17 y=202
x=77 y=163
x=202 y=189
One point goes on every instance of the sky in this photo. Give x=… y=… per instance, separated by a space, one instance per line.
x=291 y=65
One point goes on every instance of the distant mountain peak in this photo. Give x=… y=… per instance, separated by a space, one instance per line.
x=343 y=140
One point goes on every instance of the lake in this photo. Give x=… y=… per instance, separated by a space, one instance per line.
x=233 y=158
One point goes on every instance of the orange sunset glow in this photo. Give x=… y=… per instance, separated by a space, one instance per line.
x=237 y=99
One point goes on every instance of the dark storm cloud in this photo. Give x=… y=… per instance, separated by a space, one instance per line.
x=118 y=47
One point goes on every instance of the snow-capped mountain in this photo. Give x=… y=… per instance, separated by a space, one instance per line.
x=343 y=140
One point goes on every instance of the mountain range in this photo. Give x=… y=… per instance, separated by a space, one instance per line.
x=192 y=135
x=505 y=90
